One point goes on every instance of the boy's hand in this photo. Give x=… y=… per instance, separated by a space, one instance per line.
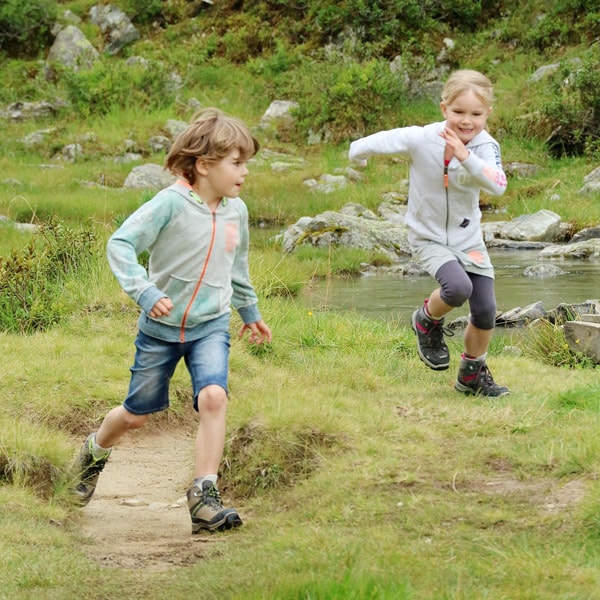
x=259 y=332
x=162 y=308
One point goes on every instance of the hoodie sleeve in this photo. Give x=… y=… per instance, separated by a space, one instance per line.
x=138 y=232
x=485 y=166
x=393 y=141
x=244 y=297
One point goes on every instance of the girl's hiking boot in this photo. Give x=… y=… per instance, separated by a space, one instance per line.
x=207 y=512
x=431 y=346
x=87 y=469
x=474 y=378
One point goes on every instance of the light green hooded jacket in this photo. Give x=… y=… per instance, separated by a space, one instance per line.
x=198 y=258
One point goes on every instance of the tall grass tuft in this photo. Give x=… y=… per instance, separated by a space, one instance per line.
x=546 y=342
x=32 y=280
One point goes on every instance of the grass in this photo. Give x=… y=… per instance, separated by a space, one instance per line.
x=390 y=485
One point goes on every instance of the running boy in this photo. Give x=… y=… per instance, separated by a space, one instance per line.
x=196 y=233
x=450 y=163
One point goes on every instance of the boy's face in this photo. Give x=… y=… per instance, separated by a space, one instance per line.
x=223 y=178
x=466 y=115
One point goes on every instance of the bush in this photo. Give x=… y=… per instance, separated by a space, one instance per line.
x=546 y=342
x=573 y=112
x=147 y=12
x=346 y=99
x=32 y=280
x=25 y=27
x=565 y=22
x=114 y=84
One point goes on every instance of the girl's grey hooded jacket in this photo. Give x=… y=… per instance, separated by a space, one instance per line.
x=197 y=257
x=446 y=215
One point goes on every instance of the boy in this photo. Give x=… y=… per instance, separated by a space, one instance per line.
x=196 y=233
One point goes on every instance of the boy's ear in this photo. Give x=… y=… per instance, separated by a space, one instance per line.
x=201 y=166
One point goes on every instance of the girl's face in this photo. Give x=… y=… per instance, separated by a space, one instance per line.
x=466 y=115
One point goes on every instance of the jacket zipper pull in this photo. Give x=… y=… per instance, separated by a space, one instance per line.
x=446 y=163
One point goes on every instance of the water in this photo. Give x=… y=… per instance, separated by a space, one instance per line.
x=386 y=296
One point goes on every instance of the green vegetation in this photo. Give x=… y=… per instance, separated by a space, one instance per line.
x=360 y=473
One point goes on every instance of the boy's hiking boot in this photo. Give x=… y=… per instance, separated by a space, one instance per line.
x=207 y=512
x=474 y=378
x=87 y=469
x=431 y=346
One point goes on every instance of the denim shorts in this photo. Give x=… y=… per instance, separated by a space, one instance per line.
x=206 y=359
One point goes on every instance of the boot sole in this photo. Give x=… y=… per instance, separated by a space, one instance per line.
x=230 y=521
x=464 y=389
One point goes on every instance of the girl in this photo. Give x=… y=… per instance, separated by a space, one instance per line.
x=450 y=163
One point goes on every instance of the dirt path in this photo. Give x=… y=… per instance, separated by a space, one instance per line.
x=138 y=516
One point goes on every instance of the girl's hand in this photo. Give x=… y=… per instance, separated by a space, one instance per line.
x=259 y=332
x=454 y=144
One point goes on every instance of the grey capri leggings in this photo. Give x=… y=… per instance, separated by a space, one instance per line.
x=458 y=286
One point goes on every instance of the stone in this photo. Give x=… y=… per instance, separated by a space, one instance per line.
x=584 y=337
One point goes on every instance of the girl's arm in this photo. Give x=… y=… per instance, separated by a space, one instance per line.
x=394 y=141
x=483 y=164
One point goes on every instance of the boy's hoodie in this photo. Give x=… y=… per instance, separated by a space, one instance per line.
x=199 y=259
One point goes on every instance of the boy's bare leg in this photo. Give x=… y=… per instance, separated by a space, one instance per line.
x=91 y=459
x=204 y=501
x=210 y=439
x=115 y=424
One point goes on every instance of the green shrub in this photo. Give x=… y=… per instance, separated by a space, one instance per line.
x=25 y=27
x=32 y=280
x=346 y=98
x=573 y=109
x=147 y=12
x=114 y=84
x=546 y=342
x=564 y=22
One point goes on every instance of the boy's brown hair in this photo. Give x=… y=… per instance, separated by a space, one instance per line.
x=211 y=136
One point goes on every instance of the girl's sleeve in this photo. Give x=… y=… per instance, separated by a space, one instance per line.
x=393 y=141
x=138 y=232
x=484 y=164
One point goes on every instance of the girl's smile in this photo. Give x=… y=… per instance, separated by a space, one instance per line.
x=466 y=115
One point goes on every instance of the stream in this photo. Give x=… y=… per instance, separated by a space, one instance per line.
x=394 y=297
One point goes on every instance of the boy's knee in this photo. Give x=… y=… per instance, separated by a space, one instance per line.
x=212 y=398
x=133 y=421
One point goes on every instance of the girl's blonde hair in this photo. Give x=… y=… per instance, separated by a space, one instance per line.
x=211 y=136
x=464 y=80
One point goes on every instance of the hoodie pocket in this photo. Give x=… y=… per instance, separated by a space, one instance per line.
x=200 y=302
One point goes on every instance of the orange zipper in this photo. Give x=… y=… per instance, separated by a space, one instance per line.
x=446 y=163
x=201 y=278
